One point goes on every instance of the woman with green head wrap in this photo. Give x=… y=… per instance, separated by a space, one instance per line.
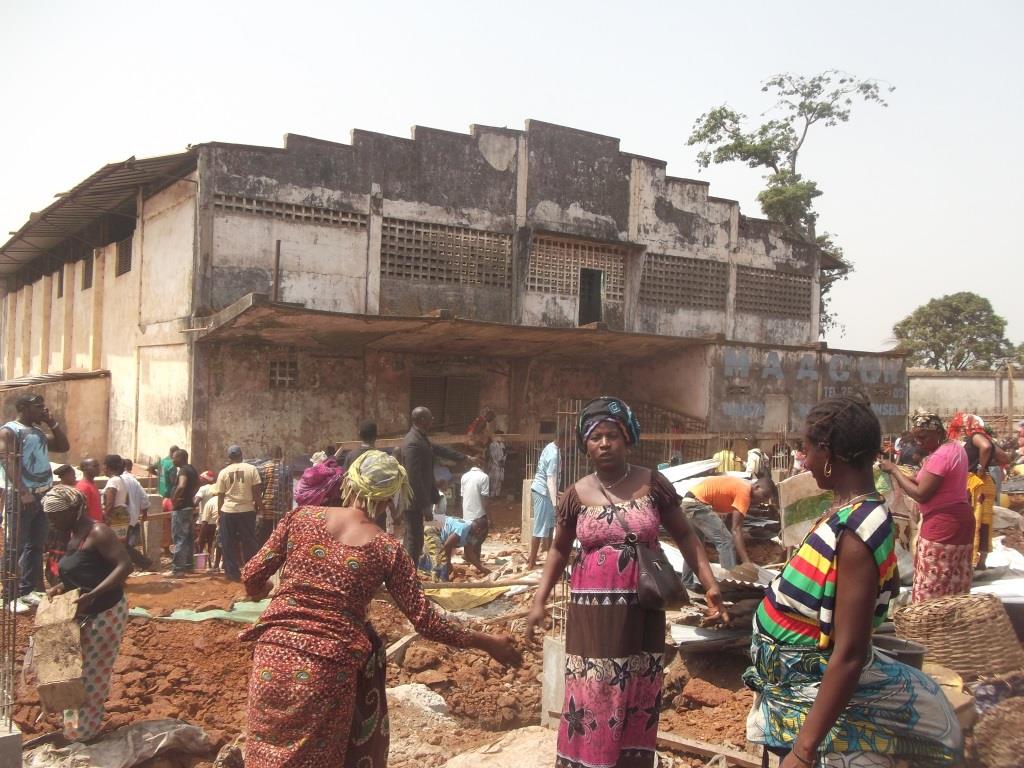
x=316 y=690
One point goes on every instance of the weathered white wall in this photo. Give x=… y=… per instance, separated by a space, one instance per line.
x=163 y=403
x=322 y=267
x=105 y=325
x=119 y=331
x=679 y=382
x=168 y=233
x=79 y=405
x=680 y=321
x=550 y=310
x=981 y=392
x=81 y=334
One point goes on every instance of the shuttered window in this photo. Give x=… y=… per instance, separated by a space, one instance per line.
x=453 y=400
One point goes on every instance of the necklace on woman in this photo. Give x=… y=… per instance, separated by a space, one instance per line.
x=609 y=486
x=846 y=502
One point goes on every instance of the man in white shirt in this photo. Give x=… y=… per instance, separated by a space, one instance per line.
x=239 y=499
x=476 y=487
x=138 y=505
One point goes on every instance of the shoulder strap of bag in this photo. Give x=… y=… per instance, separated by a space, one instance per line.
x=617 y=512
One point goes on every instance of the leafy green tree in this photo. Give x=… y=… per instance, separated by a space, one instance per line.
x=954 y=333
x=825 y=99
x=801 y=102
x=829 y=279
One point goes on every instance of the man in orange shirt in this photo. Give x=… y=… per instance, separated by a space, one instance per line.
x=716 y=508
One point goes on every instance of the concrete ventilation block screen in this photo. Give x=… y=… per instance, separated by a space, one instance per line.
x=289 y=211
x=774 y=294
x=555 y=266
x=677 y=281
x=438 y=253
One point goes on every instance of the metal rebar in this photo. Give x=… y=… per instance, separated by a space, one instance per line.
x=9 y=585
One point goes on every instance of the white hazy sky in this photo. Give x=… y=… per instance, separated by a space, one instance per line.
x=921 y=195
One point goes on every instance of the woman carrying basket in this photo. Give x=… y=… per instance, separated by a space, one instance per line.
x=613 y=645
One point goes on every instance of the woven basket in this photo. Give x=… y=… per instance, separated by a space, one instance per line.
x=999 y=737
x=970 y=634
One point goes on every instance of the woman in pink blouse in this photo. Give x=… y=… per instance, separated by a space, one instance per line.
x=943 y=561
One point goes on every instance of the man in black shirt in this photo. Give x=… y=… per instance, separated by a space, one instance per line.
x=182 y=504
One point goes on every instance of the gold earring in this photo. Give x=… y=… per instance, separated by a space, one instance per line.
x=828 y=468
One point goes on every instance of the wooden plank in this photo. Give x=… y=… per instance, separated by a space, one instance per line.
x=707 y=749
x=396 y=650
x=430 y=585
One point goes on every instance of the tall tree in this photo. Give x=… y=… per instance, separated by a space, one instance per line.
x=825 y=99
x=954 y=333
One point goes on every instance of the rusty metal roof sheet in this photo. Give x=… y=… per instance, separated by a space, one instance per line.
x=256 y=319
x=111 y=189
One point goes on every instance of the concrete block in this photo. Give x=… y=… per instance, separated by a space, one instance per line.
x=157 y=530
x=526 y=532
x=10 y=745
x=552 y=696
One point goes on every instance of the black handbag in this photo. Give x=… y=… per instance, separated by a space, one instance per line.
x=658 y=586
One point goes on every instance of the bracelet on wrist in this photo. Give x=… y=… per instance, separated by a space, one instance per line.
x=809 y=762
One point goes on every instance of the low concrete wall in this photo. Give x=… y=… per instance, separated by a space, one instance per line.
x=80 y=405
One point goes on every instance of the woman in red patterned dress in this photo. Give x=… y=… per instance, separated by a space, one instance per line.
x=316 y=690
x=613 y=645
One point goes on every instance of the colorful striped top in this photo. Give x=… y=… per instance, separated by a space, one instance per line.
x=797 y=608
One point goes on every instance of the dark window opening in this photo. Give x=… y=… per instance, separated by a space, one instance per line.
x=590 y=295
x=124 y=256
x=284 y=374
x=453 y=400
x=547 y=426
x=60 y=283
x=87 y=263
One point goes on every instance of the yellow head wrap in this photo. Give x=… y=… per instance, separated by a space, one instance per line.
x=374 y=476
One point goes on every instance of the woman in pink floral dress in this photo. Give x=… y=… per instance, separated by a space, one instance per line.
x=614 y=647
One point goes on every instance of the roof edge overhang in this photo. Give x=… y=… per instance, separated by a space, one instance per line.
x=110 y=190
x=256 y=319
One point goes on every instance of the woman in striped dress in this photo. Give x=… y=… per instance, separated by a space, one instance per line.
x=825 y=696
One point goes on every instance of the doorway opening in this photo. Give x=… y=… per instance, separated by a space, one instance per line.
x=591 y=281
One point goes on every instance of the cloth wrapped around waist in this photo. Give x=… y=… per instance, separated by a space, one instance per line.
x=895 y=710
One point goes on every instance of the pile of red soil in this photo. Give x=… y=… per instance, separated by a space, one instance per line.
x=195 y=672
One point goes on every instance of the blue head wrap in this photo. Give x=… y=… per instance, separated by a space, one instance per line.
x=607 y=409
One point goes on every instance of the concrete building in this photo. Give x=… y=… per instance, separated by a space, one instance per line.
x=276 y=297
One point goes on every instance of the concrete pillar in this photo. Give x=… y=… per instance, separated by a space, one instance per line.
x=526 y=529
x=10 y=333
x=374 y=229
x=522 y=242
x=633 y=277
x=25 y=337
x=99 y=261
x=46 y=296
x=552 y=696
x=68 y=338
x=815 y=331
x=730 y=304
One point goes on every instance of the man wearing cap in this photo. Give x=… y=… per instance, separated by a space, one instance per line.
x=239 y=498
x=27 y=481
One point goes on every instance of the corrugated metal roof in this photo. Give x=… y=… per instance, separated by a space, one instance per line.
x=49 y=378
x=111 y=190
